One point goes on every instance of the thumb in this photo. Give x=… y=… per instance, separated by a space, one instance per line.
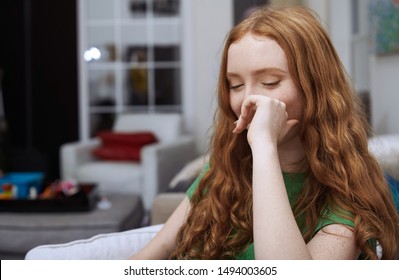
x=291 y=123
x=290 y=127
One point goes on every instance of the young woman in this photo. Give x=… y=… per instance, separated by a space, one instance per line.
x=290 y=175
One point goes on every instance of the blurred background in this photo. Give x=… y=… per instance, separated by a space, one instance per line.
x=68 y=67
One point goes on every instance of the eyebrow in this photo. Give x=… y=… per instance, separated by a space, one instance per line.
x=267 y=70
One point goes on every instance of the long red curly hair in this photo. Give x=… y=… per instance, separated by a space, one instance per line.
x=341 y=175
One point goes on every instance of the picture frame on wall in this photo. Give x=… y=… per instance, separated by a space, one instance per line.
x=384 y=26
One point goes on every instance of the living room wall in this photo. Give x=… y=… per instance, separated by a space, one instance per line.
x=209 y=24
x=381 y=78
x=384 y=83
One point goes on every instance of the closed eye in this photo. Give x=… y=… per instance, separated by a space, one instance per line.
x=236 y=86
x=271 y=84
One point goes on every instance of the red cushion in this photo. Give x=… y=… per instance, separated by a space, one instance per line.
x=117 y=153
x=129 y=138
x=122 y=145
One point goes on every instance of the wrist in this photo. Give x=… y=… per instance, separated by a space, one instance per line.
x=264 y=150
x=260 y=144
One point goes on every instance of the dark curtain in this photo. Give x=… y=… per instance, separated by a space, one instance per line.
x=38 y=57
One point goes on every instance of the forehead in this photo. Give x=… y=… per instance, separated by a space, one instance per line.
x=255 y=52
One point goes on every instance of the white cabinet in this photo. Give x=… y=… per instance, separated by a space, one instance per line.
x=130 y=57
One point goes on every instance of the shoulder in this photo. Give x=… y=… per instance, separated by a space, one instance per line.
x=334 y=241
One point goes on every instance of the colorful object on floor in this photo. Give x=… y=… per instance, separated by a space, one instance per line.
x=394 y=186
x=60 y=189
x=8 y=191
x=17 y=185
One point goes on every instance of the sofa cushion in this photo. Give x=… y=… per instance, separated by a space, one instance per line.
x=386 y=150
x=122 y=153
x=123 y=146
x=113 y=138
x=164 y=205
x=186 y=176
x=166 y=126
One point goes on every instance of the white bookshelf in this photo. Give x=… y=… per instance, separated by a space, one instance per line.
x=131 y=59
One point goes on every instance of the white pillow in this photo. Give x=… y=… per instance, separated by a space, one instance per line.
x=108 y=246
x=189 y=171
x=386 y=149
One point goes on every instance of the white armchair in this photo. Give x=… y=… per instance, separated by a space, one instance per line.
x=159 y=161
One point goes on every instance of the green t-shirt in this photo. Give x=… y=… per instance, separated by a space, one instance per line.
x=294 y=184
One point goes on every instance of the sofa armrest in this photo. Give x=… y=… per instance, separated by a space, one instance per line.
x=75 y=154
x=164 y=160
x=164 y=205
x=108 y=246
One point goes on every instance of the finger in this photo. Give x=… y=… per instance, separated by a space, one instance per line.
x=248 y=110
x=292 y=122
x=248 y=106
x=241 y=124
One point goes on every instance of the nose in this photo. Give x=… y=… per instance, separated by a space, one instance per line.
x=251 y=90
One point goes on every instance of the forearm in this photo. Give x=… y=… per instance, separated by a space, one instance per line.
x=276 y=233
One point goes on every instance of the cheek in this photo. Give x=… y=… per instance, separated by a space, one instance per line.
x=294 y=107
x=292 y=99
x=235 y=104
x=295 y=112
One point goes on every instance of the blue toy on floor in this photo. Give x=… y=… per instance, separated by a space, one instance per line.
x=394 y=185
